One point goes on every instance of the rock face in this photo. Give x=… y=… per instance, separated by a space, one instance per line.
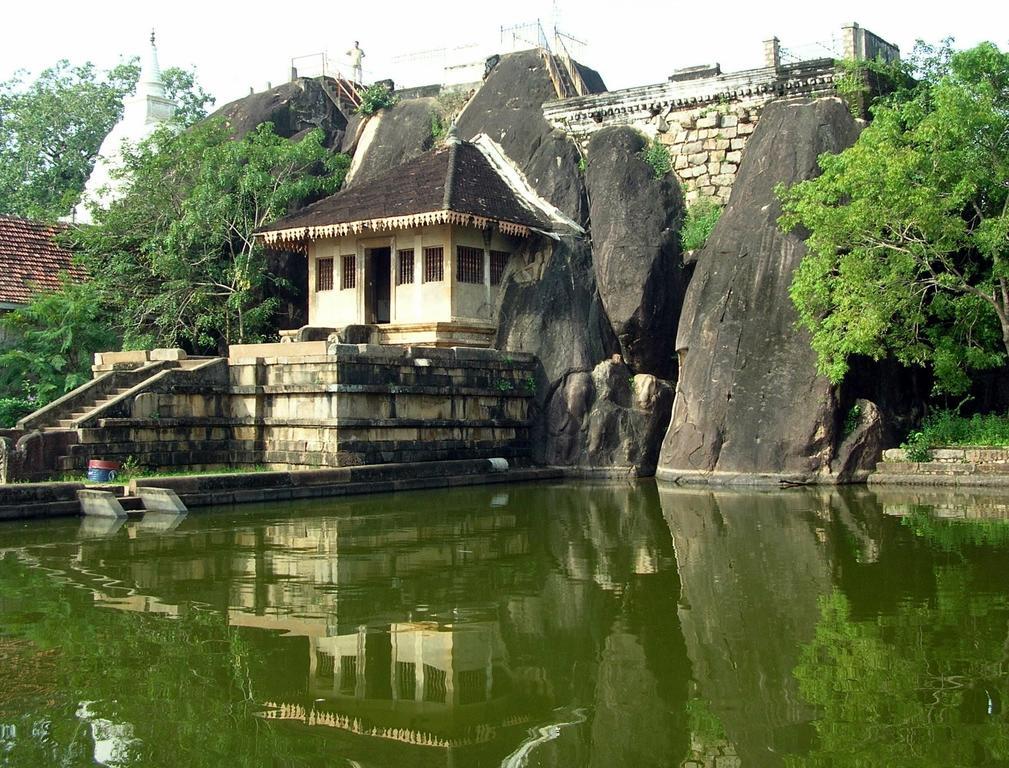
x=393 y=136
x=508 y=108
x=294 y=108
x=587 y=413
x=635 y=248
x=553 y=311
x=749 y=399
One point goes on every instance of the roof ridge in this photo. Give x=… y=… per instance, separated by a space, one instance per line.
x=453 y=154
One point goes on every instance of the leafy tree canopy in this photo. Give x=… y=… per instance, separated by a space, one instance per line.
x=175 y=260
x=53 y=127
x=57 y=335
x=909 y=228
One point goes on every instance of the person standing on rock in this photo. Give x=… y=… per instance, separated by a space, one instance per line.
x=356 y=55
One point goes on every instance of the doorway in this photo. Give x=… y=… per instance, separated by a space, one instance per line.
x=378 y=285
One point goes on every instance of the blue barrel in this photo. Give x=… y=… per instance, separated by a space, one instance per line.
x=102 y=471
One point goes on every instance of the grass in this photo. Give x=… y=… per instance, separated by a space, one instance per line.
x=700 y=220
x=656 y=154
x=136 y=472
x=947 y=428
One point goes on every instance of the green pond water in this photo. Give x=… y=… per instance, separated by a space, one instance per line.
x=561 y=625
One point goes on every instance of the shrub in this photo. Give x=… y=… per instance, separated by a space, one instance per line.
x=700 y=220
x=374 y=98
x=946 y=427
x=656 y=154
x=14 y=408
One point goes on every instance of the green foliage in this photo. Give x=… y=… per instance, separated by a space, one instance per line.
x=916 y=447
x=438 y=127
x=14 y=408
x=656 y=154
x=851 y=419
x=699 y=222
x=583 y=164
x=956 y=535
x=911 y=687
x=50 y=134
x=946 y=427
x=57 y=336
x=374 y=98
x=175 y=259
x=191 y=100
x=704 y=725
x=860 y=80
x=53 y=127
x=909 y=229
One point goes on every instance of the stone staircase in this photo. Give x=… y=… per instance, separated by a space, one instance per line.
x=79 y=414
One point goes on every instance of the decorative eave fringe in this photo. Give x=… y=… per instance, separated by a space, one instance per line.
x=298 y=238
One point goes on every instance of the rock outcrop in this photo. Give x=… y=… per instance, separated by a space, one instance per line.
x=635 y=248
x=294 y=108
x=587 y=413
x=553 y=310
x=508 y=108
x=393 y=136
x=748 y=398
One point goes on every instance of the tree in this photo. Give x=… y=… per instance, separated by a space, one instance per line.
x=57 y=335
x=908 y=230
x=175 y=259
x=52 y=128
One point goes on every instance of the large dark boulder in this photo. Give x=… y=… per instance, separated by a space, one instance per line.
x=394 y=135
x=749 y=399
x=635 y=248
x=552 y=309
x=294 y=108
x=508 y=108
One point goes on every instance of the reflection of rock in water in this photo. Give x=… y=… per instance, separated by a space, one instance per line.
x=630 y=727
x=752 y=568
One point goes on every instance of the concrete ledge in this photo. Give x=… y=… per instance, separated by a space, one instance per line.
x=755 y=479
x=100 y=504
x=951 y=480
x=206 y=490
x=161 y=500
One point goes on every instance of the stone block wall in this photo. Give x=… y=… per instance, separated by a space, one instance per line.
x=358 y=404
x=706 y=146
x=704 y=117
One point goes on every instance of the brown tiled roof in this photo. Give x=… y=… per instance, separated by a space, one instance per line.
x=455 y=178
x=30 y=259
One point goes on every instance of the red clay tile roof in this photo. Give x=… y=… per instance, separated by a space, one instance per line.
x=30 y=259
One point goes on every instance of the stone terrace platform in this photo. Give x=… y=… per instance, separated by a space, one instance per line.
x=291 y=406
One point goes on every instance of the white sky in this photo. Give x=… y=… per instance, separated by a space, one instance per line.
x=237 y=45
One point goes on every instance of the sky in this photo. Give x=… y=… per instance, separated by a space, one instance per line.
x=235 y=46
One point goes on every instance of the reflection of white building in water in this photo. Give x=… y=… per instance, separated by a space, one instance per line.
x=143 y=113
x=414 y=663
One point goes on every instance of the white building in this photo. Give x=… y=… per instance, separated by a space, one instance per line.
x=143 y=112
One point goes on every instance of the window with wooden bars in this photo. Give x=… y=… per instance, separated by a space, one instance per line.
x=469 y=265
x=348 y=277
x=498 y=263
x=404 y=267
x=434 y=264
x=324 y=274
